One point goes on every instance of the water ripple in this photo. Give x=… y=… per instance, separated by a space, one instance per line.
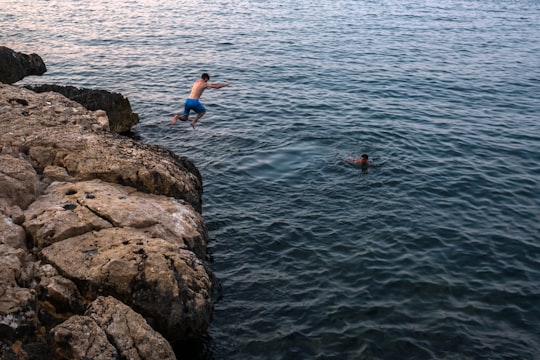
x=432 y=252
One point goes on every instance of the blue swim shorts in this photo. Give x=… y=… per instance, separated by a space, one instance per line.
x=193 y=104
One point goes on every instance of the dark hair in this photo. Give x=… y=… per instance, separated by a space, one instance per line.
x=205 y=76
x=364 y=156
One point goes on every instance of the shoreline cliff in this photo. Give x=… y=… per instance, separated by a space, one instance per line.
x=103 y=245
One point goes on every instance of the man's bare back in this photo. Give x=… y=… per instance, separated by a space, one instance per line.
x=198 y=89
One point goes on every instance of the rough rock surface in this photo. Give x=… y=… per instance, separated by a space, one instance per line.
x=52 y=130
x=69 y=209
x=117 y=107
x=99 y=234
x=15 y=66
x=168 y=285
x=116 y=332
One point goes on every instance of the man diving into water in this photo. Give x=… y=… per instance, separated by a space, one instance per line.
x=193 y=103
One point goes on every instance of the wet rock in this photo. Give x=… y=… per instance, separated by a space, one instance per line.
x=15 y=66
x=118 y=109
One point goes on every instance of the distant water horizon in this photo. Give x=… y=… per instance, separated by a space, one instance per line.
x=431 y=253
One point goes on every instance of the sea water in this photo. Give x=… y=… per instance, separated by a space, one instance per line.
x=431 y=253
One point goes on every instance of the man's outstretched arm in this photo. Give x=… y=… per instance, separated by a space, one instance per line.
x=218 y=86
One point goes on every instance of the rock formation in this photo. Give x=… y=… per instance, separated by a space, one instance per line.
x=99 y=235
x=117 y=107
x=14 y=66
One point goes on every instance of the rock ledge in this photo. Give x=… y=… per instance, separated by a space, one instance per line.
x=99 y=234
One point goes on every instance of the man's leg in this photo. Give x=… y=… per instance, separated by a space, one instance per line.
x=197 y=118
x=176 y=117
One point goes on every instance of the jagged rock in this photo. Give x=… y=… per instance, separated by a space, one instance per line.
x=128 y=331
x=11 y=234
x=109 y=330
x=17 y=304
x=121 y=117
x=58 y=132
x=86 y=213
x=62 y=294
x=18 y=181
x=81 y=338
x=15 y=66
x=70 y=209
x=166 y=284
x=58 y=215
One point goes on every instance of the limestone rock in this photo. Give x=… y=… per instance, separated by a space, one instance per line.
x=71 y=209
x=109 y=330
x=128 y=331
x=17 y=304
x=15 y=66
x=18 y=181
x=168 y=285
x=71 y=139
x=81 y=338
x=118 y=109
x=11 y=234
x=58 y=297
x=85 y=213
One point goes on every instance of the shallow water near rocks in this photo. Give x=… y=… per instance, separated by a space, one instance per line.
x=432 y=253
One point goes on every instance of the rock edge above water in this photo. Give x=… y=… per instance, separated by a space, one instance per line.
x=99 y=234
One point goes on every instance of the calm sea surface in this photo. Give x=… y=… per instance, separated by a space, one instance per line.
x=432 y=253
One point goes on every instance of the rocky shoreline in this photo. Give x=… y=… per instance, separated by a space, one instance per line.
x=102 y=241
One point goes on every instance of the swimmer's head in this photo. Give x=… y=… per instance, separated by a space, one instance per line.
x=364 y=156
x=205 y=77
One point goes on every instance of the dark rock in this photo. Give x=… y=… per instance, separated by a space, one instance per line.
x=118 y=108
x=15 y=66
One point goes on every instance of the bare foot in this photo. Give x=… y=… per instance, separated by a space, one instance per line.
x=192 y=124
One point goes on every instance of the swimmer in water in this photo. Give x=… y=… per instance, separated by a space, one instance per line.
x=363 y=161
